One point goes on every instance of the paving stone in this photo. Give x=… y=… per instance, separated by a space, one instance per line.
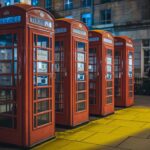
x=78 y=136
x=134 y=143
x=127 y=123
x=105 y=139
x=53 y=145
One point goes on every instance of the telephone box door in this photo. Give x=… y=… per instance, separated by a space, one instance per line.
x=118 y=64
x=42 y=85
x=130 y=82
x=10 y=86
x=62 y=97
x=109 y=83
x=81 y=81
x=94 y=80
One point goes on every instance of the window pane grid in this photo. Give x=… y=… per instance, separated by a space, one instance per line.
x=8 y=79
x=109 y=70
x=42 y=88
x=81 y=69
x=92 y=75
x=60 y=74
x=117 y=73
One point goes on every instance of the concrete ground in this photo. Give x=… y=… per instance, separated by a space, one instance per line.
x=127 y=129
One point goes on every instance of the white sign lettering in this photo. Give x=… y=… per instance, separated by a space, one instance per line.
x=41 y=22
x=78 y=31
x=106 y=40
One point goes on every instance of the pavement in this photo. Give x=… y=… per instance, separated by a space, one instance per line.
x=127 y=129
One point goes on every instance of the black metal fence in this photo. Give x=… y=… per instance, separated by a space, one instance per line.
x=142 y=86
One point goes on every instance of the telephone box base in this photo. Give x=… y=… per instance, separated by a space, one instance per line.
x=14 y=146
x=72 y=126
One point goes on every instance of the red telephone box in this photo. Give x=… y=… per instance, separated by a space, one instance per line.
x=71 y=69
x=101 y=77
x=26 y=75
x=124 y=71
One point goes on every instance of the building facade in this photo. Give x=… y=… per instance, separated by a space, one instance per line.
x=121 y=17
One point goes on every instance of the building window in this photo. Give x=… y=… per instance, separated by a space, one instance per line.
x=48 y=4
x=105 y=16
x=68 y=4
x=87 y=19
x=146 y=52
x=16 y=1
x=35 y=2
x=86 y=3
x=105 y=1
x=7 y=2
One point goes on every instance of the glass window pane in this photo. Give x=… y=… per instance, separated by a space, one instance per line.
x=81 y=96
x=80 y=76
x=80 y=66
x=5 y=68
x=80 y=46
x=42 y=41
x=15 y=67
x=42 y=67
x=15 y=80
x=42 y=80
x=7 y=108
x=81 y=86
x=68 y=4
x=15 y=54
x=43 y=93
x=5 y=81
x=130 y=60
x=34 y=94
x=92 y=85
x=42 y=55
x=34 y=67
x=81 y=106
x=6 y=40
x=43 y=119
x=109 y=83
x=109 y=100
x=5 y=54
x=43 y=106
x=87 y=19
x=109 y=91
x=109 y=76
x=57 y=67
x=15 y=40
x=6 y=95
x=80 y=57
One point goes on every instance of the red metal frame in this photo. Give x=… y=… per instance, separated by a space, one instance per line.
x=101 y=77
x=71 y=36
x=124 y=72
x=34 y=110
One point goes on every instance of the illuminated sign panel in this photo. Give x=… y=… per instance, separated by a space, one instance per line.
x=60 y=30
x=10 y=20
x=93 y=39
x=106 y=40
x=118 y=43
x=129 y=45
x=80 y=32
x=41 y=22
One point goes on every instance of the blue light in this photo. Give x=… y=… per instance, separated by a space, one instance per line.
x=10 y=20
x=35 y=2
x=7 y=2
